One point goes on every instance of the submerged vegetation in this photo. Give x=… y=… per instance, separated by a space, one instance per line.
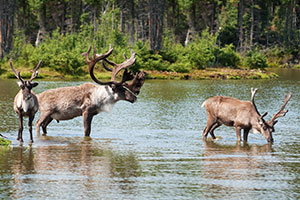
x=4 y=142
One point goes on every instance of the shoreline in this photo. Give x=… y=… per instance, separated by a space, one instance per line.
x=214 y=74
x=203 y=74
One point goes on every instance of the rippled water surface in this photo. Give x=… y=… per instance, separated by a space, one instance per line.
x=153 y=149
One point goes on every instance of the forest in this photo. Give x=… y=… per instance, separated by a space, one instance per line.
x=167 y=35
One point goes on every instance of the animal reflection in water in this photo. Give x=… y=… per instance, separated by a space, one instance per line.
x=84 y=164
x=225 y=163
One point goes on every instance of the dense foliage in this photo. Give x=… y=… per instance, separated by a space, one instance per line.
x=167 y=35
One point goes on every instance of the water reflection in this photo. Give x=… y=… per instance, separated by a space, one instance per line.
x=87 y=167
x=153 y=149
x=239 y=148
x=228 y=169
x=287 y=74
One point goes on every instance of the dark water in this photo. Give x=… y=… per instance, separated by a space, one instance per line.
x=153 y=149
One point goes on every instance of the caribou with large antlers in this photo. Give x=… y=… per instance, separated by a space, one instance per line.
x=241 y=115
x=89 y=99
x=25 y=102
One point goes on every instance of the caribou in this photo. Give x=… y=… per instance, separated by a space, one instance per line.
x=88 y=99
x=25 y=102
x=241 y=115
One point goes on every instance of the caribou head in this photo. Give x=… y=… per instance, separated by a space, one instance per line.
x=267 y=127
x=126 y=91
x=26 y=85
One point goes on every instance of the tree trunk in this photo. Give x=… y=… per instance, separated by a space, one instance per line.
x=122 y=19
x=294 y=22
x=76 y=11
x=191 y=22
x=42 y=24
x=156 y=17
x=132 y=17
x=252 y=23
x=7 y=14
x=240 y=25
x=287 y=25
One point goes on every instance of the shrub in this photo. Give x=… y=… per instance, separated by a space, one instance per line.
x=228 y=57
x=147 y=59
x=201 y=51
x=256 y=60
x=179 y=67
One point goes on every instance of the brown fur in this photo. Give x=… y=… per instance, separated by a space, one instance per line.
x=233 y=112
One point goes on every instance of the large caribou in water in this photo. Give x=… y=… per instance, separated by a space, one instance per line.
x=26 y=103
x=241 y=115
x=88 y=99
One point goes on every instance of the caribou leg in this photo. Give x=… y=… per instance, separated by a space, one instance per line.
x=20 y=138
x=46 y=122
x=216 y=125
x=87 y=120
x=209 y=124
x=238 y=133
x=40 y=121
x=246 y=132
x=31 y=117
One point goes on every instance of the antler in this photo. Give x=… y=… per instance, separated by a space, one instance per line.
x=253 y=92
x=282 y=112
x=118 y=67
x=127 y=76
x=17 y=73
x=35 y=71
x=95 y=59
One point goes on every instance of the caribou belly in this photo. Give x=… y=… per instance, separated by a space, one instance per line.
x=67 y=114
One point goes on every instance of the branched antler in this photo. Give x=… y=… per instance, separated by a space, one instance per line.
x=35 y=71
x=253 y=92
x=17 y=73
x=118 y=67
x=282 y=112
x=94 y=60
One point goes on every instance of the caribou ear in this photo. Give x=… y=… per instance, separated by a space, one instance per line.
x=113 y=87
x=20 y=84
x=275 y=122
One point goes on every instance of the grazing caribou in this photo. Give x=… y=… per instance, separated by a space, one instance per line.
x=241 y=115
x=89 y=99
x=25 y=102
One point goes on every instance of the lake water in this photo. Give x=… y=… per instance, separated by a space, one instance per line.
x=153 y=149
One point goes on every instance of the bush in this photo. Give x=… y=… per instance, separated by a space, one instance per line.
x=147 y=59
x=256 y=60
x=179 y=67
x=201 y=51
x=228 y=57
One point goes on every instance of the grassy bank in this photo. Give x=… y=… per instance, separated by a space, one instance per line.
x=214 y=73
x=204 y=74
